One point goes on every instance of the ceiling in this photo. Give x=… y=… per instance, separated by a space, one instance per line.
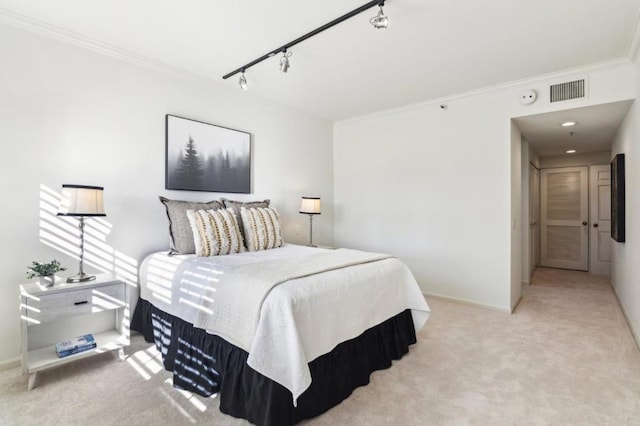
x=432 y=48
x=594 y=130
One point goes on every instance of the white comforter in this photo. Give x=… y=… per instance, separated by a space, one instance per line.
x=299 y=320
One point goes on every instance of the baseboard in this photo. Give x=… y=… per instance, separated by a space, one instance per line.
x=523 y=282
x=9 y=364
x=635 y=335
x=468 y=302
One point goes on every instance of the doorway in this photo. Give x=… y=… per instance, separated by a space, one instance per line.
x=576 y=218
x=572 y=137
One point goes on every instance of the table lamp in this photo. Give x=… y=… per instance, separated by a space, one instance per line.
x=310 y=206
x=81 y=201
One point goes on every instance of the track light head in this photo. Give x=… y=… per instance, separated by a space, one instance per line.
x=244 y=85
x=284 y=61
x=380 y=21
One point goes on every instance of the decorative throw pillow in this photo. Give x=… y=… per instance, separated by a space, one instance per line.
x=180 y=234
x=215 y=232
x=237 y=205
x=262 y=228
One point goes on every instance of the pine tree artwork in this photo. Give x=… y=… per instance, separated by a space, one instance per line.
x=205 y=157
x=190 y=170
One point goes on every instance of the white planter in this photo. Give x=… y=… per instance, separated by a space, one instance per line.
x=47 y=280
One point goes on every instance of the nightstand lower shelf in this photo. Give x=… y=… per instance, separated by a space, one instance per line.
x=46 y=357
x=43 y=358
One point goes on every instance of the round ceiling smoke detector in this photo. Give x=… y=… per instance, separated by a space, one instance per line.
x=528 y=97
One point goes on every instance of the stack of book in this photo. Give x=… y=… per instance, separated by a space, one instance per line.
x=73 y=346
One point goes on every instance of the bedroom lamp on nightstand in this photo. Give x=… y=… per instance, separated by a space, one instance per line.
x=310 y=206
x=81 y=201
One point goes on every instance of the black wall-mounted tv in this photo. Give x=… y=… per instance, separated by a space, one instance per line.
x=617 y=198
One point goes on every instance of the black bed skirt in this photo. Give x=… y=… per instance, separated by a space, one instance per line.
x=206 y=364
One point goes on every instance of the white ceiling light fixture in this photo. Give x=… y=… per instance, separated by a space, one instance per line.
x=242 y=81
x=571 y=151
x=568 y=123
x=380 y=21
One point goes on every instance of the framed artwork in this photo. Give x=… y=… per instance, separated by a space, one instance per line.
x=205 y=157
x=617 y=198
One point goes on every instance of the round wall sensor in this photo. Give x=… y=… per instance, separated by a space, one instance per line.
x=528 y=97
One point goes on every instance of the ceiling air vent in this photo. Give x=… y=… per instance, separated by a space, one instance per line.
x=566 y=91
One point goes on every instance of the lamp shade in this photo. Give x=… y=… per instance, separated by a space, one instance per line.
x=310 y=205
x=81 y=200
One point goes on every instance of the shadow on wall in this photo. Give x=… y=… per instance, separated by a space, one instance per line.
x=62 y=234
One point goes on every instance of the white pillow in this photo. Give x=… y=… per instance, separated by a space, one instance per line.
x=261 y=228
x=215 y=232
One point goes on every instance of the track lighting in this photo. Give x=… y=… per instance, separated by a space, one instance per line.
x=380 y=20
x=243 y=81
x=284 y=61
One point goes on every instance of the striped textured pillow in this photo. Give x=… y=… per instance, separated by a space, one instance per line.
x=215 y=232
x=261 y=228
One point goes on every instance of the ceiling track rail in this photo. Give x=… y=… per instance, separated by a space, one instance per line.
x=310 y=34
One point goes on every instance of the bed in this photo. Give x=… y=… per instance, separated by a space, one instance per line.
x=325 y=320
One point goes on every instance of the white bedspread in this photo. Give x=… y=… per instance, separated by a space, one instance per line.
x=304 y=316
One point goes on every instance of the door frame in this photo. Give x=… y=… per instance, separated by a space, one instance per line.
x=534 y=218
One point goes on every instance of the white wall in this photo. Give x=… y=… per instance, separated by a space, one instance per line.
x=626 y=266
x=405 y=184
x=574 y=160
x=433 y=186
x=69 y=115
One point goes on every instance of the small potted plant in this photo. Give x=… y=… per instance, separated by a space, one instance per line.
x=45 y=271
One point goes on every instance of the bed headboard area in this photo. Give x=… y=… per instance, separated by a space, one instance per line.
x=220 y=227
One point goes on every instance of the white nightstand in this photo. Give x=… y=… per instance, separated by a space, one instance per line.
x=65 y=311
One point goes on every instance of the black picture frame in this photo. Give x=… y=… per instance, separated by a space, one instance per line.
x=201 y=156
x=617 y=198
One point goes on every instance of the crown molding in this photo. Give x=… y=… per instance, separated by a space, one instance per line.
x=33 y=25
x=42 y=28
x=508 y=85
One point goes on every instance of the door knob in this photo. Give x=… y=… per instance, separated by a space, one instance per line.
x=595 y=225
x=584 y=223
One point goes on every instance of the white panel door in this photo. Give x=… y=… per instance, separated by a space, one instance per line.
x=600 y=214
x=564 y=218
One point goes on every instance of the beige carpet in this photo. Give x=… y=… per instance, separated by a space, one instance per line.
x=565 y=357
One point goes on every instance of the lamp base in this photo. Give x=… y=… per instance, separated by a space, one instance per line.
x=81 y=277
